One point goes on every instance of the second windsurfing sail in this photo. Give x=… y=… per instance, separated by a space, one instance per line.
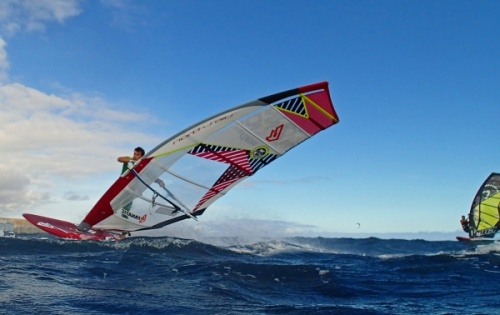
x=484 y=214
x=203 y=162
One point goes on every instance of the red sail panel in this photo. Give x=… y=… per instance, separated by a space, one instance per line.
x=232 y=174
x=318 y=113
x=236 y=157
x=102 y=208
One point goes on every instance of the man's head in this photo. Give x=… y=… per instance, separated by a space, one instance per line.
x=138 y=153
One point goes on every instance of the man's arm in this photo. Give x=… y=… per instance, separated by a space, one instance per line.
x=124 y=159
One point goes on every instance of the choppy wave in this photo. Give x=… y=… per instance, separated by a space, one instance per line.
x=296 y=275
x=295 y=246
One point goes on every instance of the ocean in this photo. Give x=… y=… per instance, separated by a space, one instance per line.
x=298 y=275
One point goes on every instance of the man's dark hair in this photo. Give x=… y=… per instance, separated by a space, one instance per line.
x=140 y=150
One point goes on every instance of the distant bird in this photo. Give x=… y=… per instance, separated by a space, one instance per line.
x=359 y=225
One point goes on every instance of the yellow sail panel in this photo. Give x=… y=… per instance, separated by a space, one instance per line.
x=489 y=214
x=485 y=209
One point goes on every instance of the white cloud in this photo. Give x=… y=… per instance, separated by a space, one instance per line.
x=53 y=144
x=4 y=63
x=126 y=14
x=49 y=138
x=32 y=16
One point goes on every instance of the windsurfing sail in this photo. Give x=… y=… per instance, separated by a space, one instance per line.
x=203 y=162
x=484 y=215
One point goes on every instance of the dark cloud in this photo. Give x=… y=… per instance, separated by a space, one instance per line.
x=73 y=196
x=247 y=230
x=15 y=193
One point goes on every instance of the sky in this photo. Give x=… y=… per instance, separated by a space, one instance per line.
x=415 y=85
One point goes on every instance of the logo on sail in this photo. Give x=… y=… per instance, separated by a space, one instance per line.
x=259 y=152
x=126 y=214
x=275 y=133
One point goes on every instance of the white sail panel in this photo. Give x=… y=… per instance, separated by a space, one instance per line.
x=203 y=162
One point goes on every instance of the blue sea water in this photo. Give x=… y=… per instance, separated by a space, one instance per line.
x=165 y=275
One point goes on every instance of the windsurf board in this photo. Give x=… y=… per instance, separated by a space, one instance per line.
x=68 y=230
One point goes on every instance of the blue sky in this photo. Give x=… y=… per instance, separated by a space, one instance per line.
x=415 y=84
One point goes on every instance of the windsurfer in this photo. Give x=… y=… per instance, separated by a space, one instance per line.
x=465 y=224
x=138 y=153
